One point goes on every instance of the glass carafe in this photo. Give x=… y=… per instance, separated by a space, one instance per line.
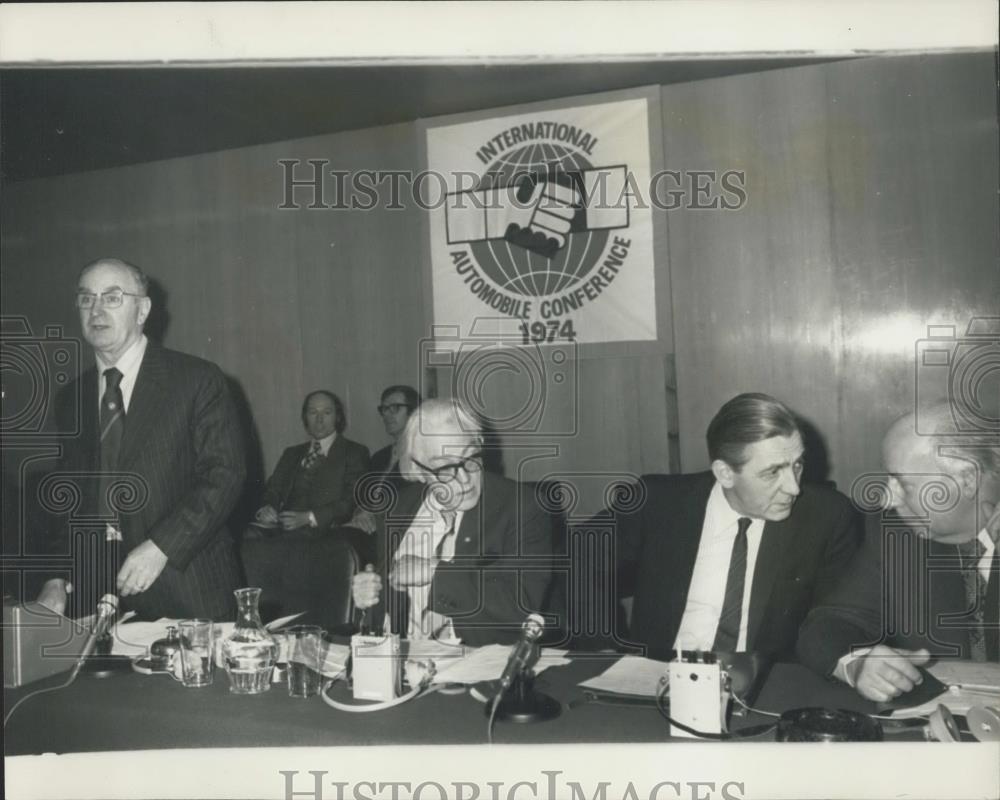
x=250 y=651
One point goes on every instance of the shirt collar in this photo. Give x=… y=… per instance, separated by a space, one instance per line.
x=325 y=443
x=719 y=511
x=128 y=364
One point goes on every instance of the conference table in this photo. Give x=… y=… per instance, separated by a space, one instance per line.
x=132 y=711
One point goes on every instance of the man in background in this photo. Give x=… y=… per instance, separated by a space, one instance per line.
x=925 y=583
x=384 y=478
x=733 y=559
x=162 y=426
x=313 y=484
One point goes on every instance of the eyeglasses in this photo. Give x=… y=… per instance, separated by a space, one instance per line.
x=392 y=408
x=446 y=474
x=113 y=298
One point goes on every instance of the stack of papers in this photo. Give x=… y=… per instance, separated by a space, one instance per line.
x=632 y=675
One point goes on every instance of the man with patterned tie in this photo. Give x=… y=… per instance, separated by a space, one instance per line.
x=925 y=583
x=465 y=553
x=312 y=486
x=162 y=423
x=733 y=559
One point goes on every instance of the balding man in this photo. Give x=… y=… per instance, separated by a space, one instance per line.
x=464 y=555
x=925 y=583
x=165 y=423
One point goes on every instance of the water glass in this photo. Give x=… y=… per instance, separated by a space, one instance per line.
x=305 y=660
x=197 y=662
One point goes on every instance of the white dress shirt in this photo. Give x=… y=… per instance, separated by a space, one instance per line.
x=128 y=365
x=431 y=536
x=711 y=571
x=324 y=444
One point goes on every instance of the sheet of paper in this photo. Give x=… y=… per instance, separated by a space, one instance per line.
x=487 y=664
x=967 y=673
x=281 y=622
x=629 y=675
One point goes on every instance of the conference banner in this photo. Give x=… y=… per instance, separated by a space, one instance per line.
x=542 y=234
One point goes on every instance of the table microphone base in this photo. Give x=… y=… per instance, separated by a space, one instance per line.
x=523 y=704
x=104 y=666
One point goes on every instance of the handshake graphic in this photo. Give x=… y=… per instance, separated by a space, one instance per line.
x=539 y=211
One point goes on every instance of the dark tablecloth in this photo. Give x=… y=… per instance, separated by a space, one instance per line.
x=129 y=711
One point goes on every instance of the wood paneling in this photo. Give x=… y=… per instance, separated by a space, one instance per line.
x=872 y=213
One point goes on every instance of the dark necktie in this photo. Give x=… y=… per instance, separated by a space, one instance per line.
x=975 y=594
x=112 y=428
x=727 y=635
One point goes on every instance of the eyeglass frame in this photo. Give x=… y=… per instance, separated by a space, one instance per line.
x=394 y=407
x=104 y=297
x=461 y=464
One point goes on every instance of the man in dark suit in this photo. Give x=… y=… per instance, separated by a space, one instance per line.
x=384 y=480
x=313 y=483
x=162 y=423
x=466 y=554
x=925 y=584
x=733 y=559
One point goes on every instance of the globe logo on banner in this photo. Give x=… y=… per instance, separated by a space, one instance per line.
x=537 y=227
x=543 y=236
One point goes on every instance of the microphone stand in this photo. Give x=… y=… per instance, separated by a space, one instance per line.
x=522 y=703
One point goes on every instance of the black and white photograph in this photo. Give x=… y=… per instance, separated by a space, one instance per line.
x=500 y=401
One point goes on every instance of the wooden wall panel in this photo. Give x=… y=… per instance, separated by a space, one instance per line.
x=283 y=300
x=872 y=213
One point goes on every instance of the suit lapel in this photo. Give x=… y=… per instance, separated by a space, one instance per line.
x=150 y=398
x=682 y=551
x=478 y=519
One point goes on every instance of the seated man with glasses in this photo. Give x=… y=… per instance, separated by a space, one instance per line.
x=384 y=479
x=464 y=555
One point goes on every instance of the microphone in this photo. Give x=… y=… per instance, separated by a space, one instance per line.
x=107 y=610
x=524 y=654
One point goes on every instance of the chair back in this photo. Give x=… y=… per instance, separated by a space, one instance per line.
x=302 y=572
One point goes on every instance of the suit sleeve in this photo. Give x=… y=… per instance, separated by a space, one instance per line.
x=488 y=597
x=217 y=479
x=341 y=509
x=847 y=614
x=280 y=481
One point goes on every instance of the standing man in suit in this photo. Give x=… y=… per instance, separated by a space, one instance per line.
x=313 y=483
x=465 y=553
x=166 y=422
x=925 y=584
x=395 y=407
x=733 y=559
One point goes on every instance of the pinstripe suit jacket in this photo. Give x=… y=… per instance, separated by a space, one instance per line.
x=182 y=450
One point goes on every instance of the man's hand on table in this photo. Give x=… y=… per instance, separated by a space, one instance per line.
x=55 y=594
x=142 y=567
x=886 y=672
